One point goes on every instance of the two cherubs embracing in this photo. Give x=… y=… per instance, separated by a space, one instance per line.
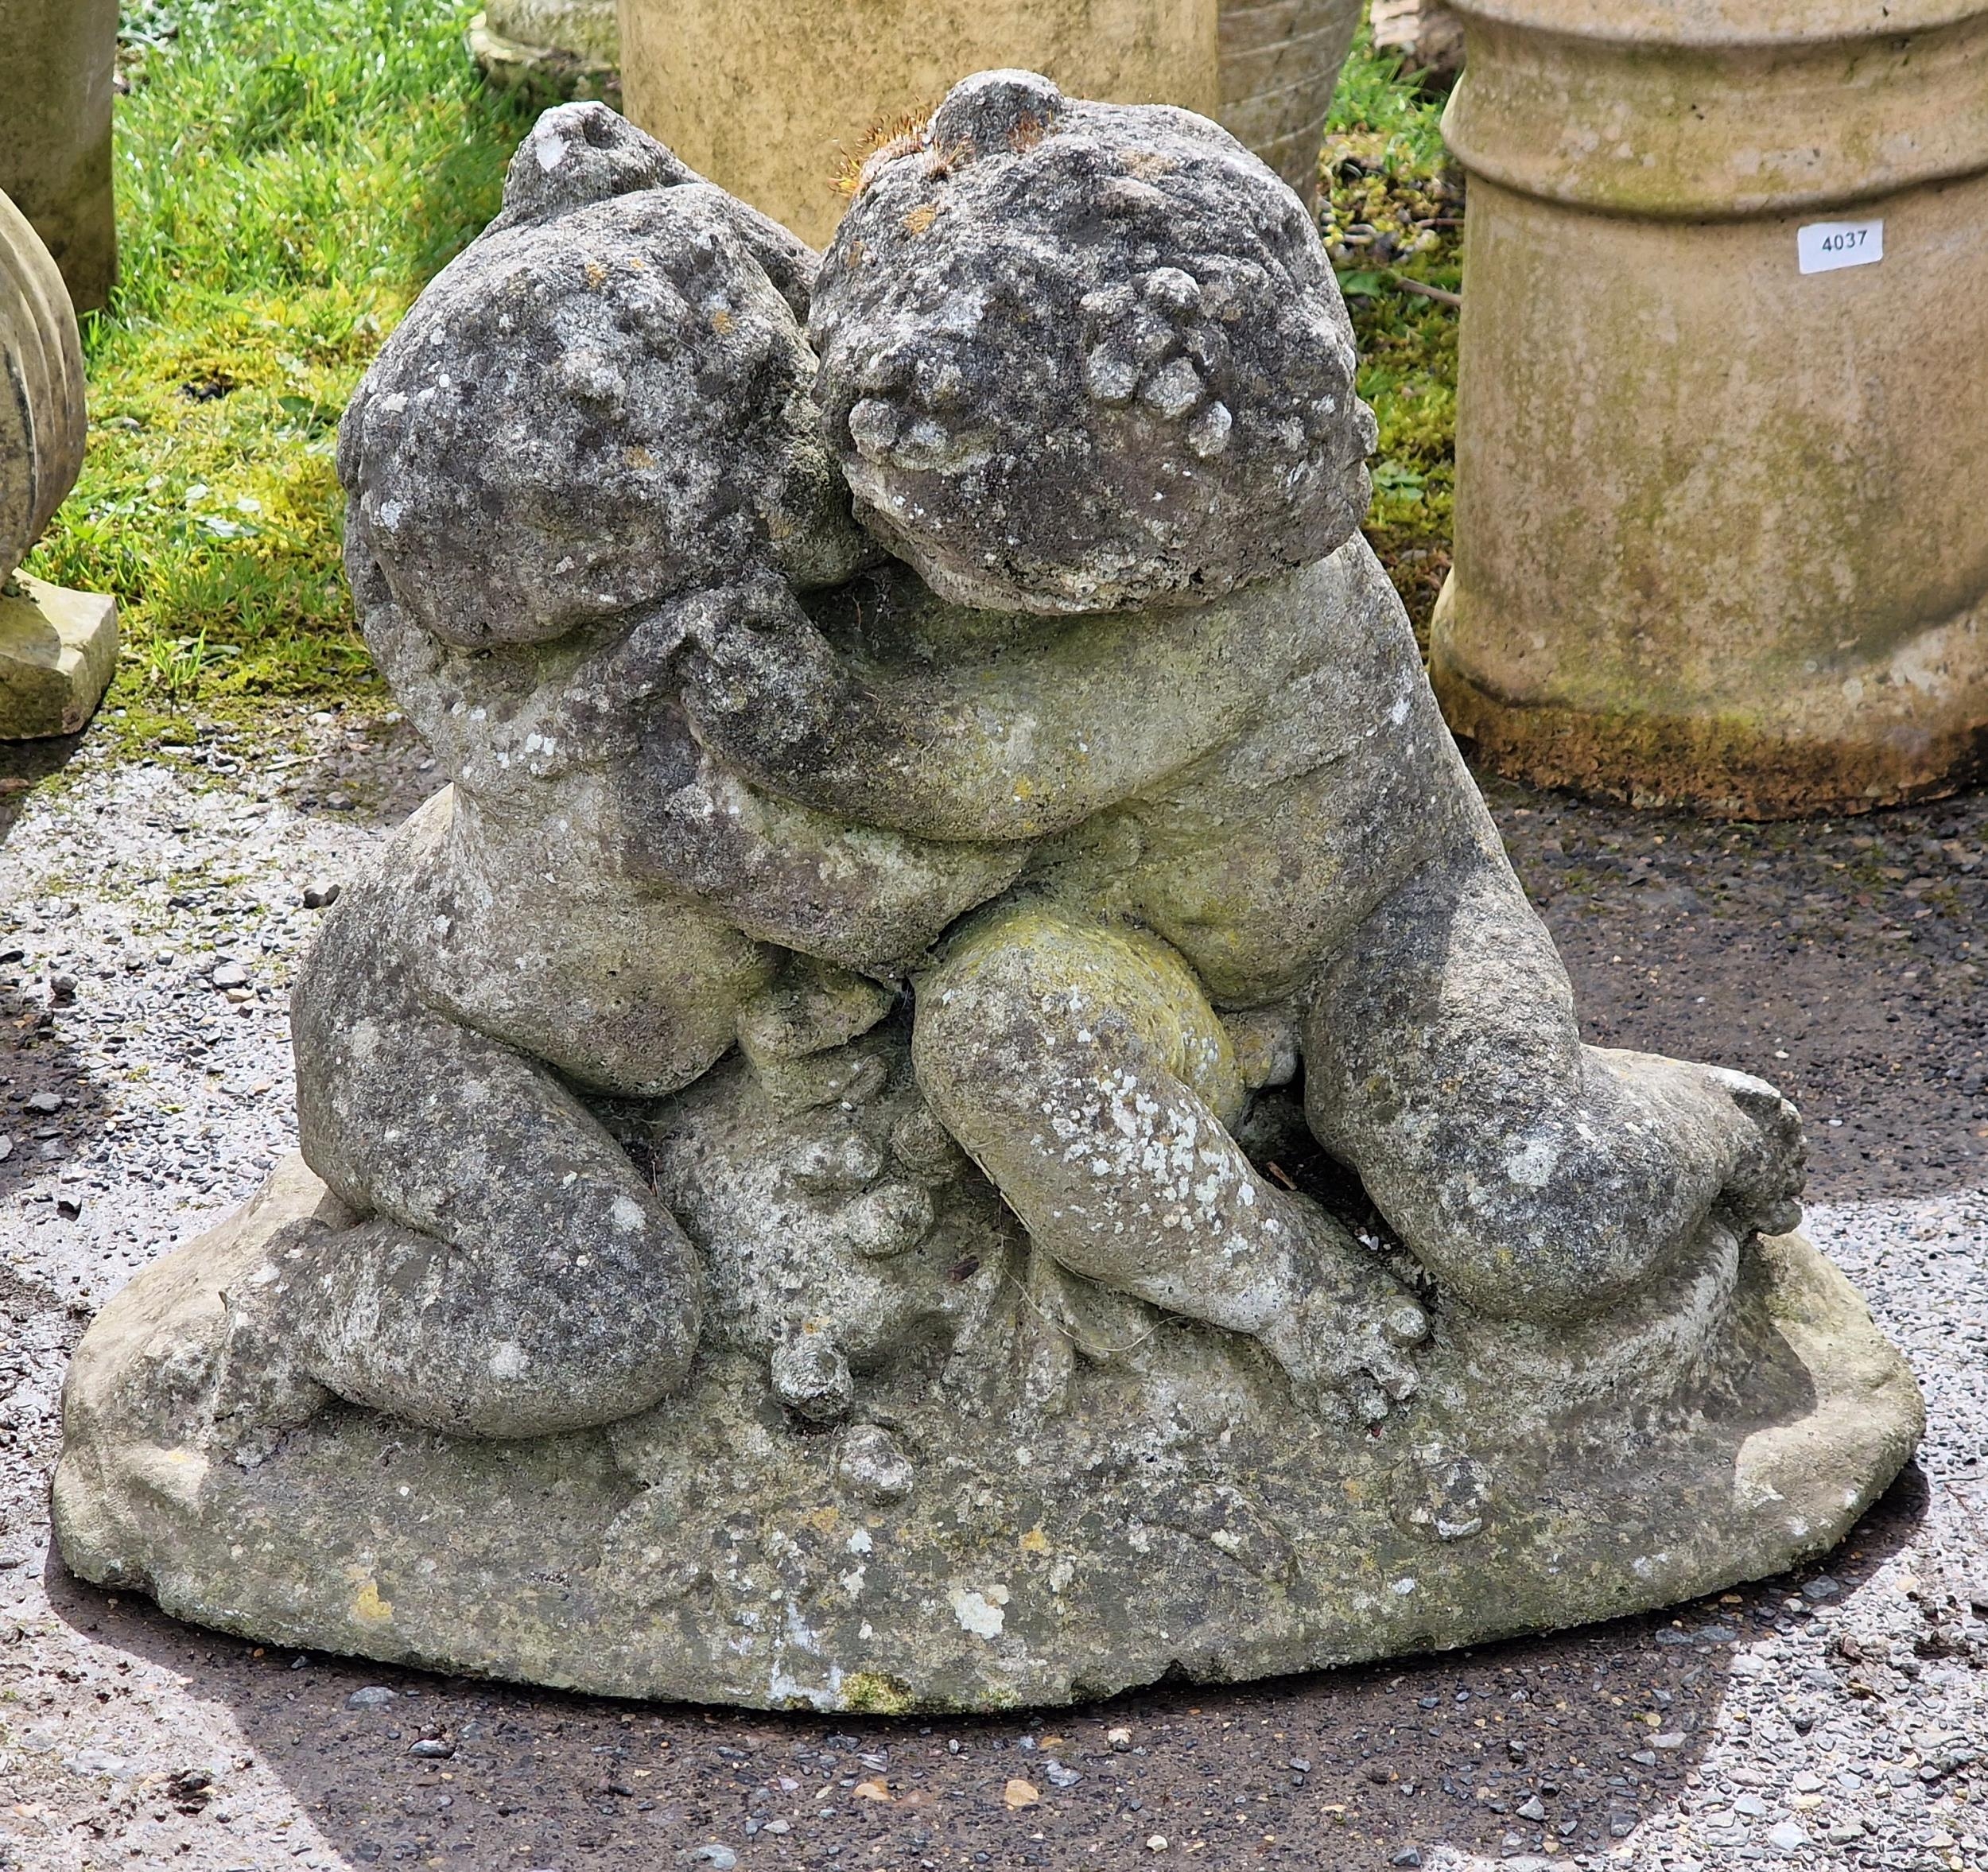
x=1090 y=716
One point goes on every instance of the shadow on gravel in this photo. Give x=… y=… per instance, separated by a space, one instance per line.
x=1547 y=1746
x=23 y=766
x=49 y=1100
x=366 y=766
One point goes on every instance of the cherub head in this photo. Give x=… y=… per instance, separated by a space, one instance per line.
x=606 y=400
x=1082 y=357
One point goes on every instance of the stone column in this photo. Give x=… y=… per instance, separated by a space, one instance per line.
x=1721 y=529
x=57 y=648
x=1278 y=62
x=554 y=49
x=770 y=97
x=60 y=57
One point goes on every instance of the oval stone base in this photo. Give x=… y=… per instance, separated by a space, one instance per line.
x=1068 y=1498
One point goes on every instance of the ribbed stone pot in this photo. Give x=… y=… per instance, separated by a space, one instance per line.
x=57 y=648
x=57 y=59
x=1722 y=534
x=771 y=98
x=552 y=49
x=43 y=425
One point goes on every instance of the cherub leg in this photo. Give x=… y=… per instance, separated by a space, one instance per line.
x=514 y=1274
x=1082 y=1067
x=1532 y=1176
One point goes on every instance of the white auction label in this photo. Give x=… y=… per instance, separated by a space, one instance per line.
x=1824 y=246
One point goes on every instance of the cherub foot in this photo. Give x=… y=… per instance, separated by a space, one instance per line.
x=1763 y=1188
x=1727 y=1134
x=1350 y=1322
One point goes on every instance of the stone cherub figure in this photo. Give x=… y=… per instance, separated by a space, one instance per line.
x=1140 y=683
x=1088 y=364
x=957 y=1103
x=603 y=404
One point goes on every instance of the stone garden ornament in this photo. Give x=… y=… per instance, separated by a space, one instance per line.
x=958 y=1105
x=1722 y=417
x=58 y=648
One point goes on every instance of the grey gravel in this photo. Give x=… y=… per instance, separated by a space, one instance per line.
x=1848 y=1728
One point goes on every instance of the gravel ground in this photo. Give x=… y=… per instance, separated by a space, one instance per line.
x=1831 y=1719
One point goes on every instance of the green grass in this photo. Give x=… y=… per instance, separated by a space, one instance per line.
x=1391 y=207
x=289 y=174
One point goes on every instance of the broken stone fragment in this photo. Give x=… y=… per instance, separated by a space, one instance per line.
x=58 y=651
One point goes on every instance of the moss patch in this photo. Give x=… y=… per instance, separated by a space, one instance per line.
x=290 y=174
x=1392 y=214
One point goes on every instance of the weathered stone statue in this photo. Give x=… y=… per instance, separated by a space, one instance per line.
x=771 y=98
x=56 y=82
x=958 y=1104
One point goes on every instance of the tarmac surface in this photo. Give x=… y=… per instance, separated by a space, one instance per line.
x=1835 y=1717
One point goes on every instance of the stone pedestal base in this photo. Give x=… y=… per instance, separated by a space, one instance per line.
x=1081 y=1497
x=547 y=74
x=58 y=650
x=1856 y=735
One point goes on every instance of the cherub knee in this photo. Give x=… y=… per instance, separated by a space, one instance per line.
x=978 y=1041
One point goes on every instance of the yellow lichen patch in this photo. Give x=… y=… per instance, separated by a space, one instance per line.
x=920 y=217
x=596 y=274
x=722 y=322
x=639 y=458
x=871 y=1693
x=824 y=1519
x=1035 y=1541
x=368 y=1607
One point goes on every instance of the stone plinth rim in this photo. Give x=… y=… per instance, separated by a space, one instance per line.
x=1729 y=26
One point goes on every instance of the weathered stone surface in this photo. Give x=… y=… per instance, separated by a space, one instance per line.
x=43 y=424
x=940 y=1152
x=54 y=134
x=587 y=27
x=1085 y=1495
x=58 y=650
x=1720 y=541
x=1425 y=35
x=1125 y=376
x=544 y=443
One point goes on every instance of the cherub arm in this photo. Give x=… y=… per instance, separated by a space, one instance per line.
x=871 y=899
x=1016 y=745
